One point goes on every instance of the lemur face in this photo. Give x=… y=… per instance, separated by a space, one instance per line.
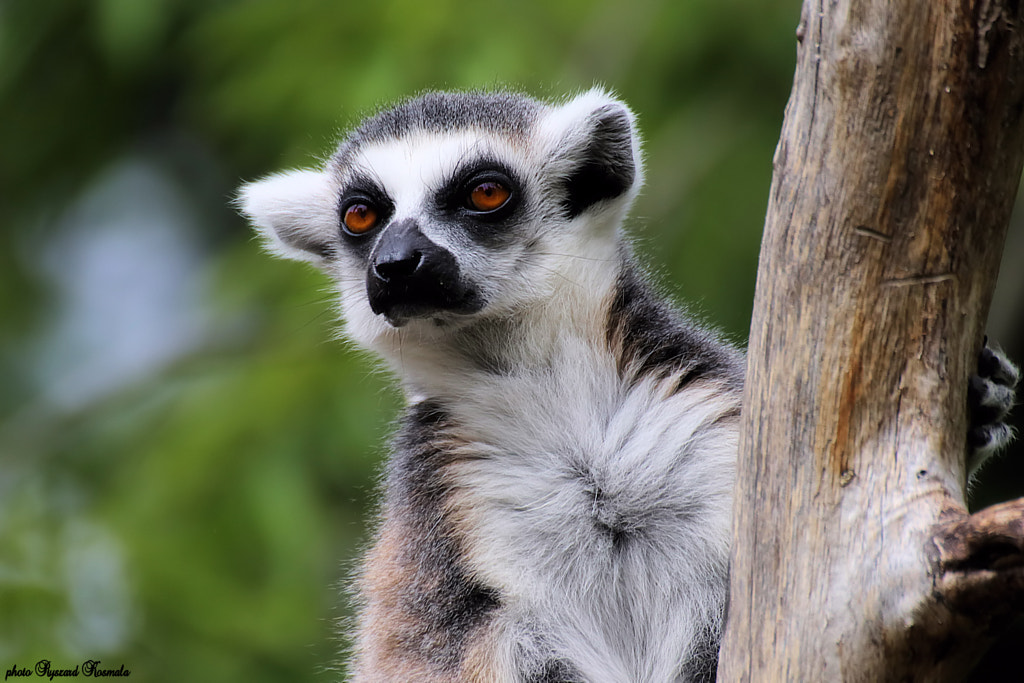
x=437 y=225
x=454 y=206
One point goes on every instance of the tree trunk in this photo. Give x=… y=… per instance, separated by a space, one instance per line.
x=854 y=555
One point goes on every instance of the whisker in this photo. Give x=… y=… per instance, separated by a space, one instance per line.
x=319 y=316
x=316 y=302
x=575 y=256
x=555 y=272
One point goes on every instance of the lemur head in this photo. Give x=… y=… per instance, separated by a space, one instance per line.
x=452 y=208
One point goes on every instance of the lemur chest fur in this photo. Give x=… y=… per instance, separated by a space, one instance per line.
x=569 y=463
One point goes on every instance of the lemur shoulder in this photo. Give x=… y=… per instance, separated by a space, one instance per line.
x=557 y=506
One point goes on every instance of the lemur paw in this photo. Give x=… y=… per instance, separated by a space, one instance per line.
x=990 y=395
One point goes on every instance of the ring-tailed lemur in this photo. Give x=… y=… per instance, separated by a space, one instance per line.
x=558 y=503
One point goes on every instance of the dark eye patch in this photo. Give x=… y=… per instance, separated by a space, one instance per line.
x=492 y=228
x=453 y=193
x=363 y=191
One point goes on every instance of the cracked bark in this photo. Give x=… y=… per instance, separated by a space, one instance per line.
x=854 y=555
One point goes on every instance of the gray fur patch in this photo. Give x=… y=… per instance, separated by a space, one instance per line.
x=502 y=112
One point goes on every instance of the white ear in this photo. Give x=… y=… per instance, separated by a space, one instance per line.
x=570 y=116
x=593 y=144
x=294 y=212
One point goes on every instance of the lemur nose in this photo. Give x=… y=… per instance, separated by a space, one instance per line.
x=410 y=276
x=398 y=267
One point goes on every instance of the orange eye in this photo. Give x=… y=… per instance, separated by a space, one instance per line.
x=360 y=218
x=488 y=196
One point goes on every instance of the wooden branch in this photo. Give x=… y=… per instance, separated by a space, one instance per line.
x=979 y=560
x=854 y=557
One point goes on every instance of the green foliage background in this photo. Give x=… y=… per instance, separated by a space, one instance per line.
x=194 y=518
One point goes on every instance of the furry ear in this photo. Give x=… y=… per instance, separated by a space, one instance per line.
x=598 y=145
x=294 y=213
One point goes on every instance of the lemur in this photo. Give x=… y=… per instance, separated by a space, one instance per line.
x=557 y=505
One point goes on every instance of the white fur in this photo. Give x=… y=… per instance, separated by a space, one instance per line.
x=290 y=205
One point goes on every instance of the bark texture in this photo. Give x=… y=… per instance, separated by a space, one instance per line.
x=854 y=555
